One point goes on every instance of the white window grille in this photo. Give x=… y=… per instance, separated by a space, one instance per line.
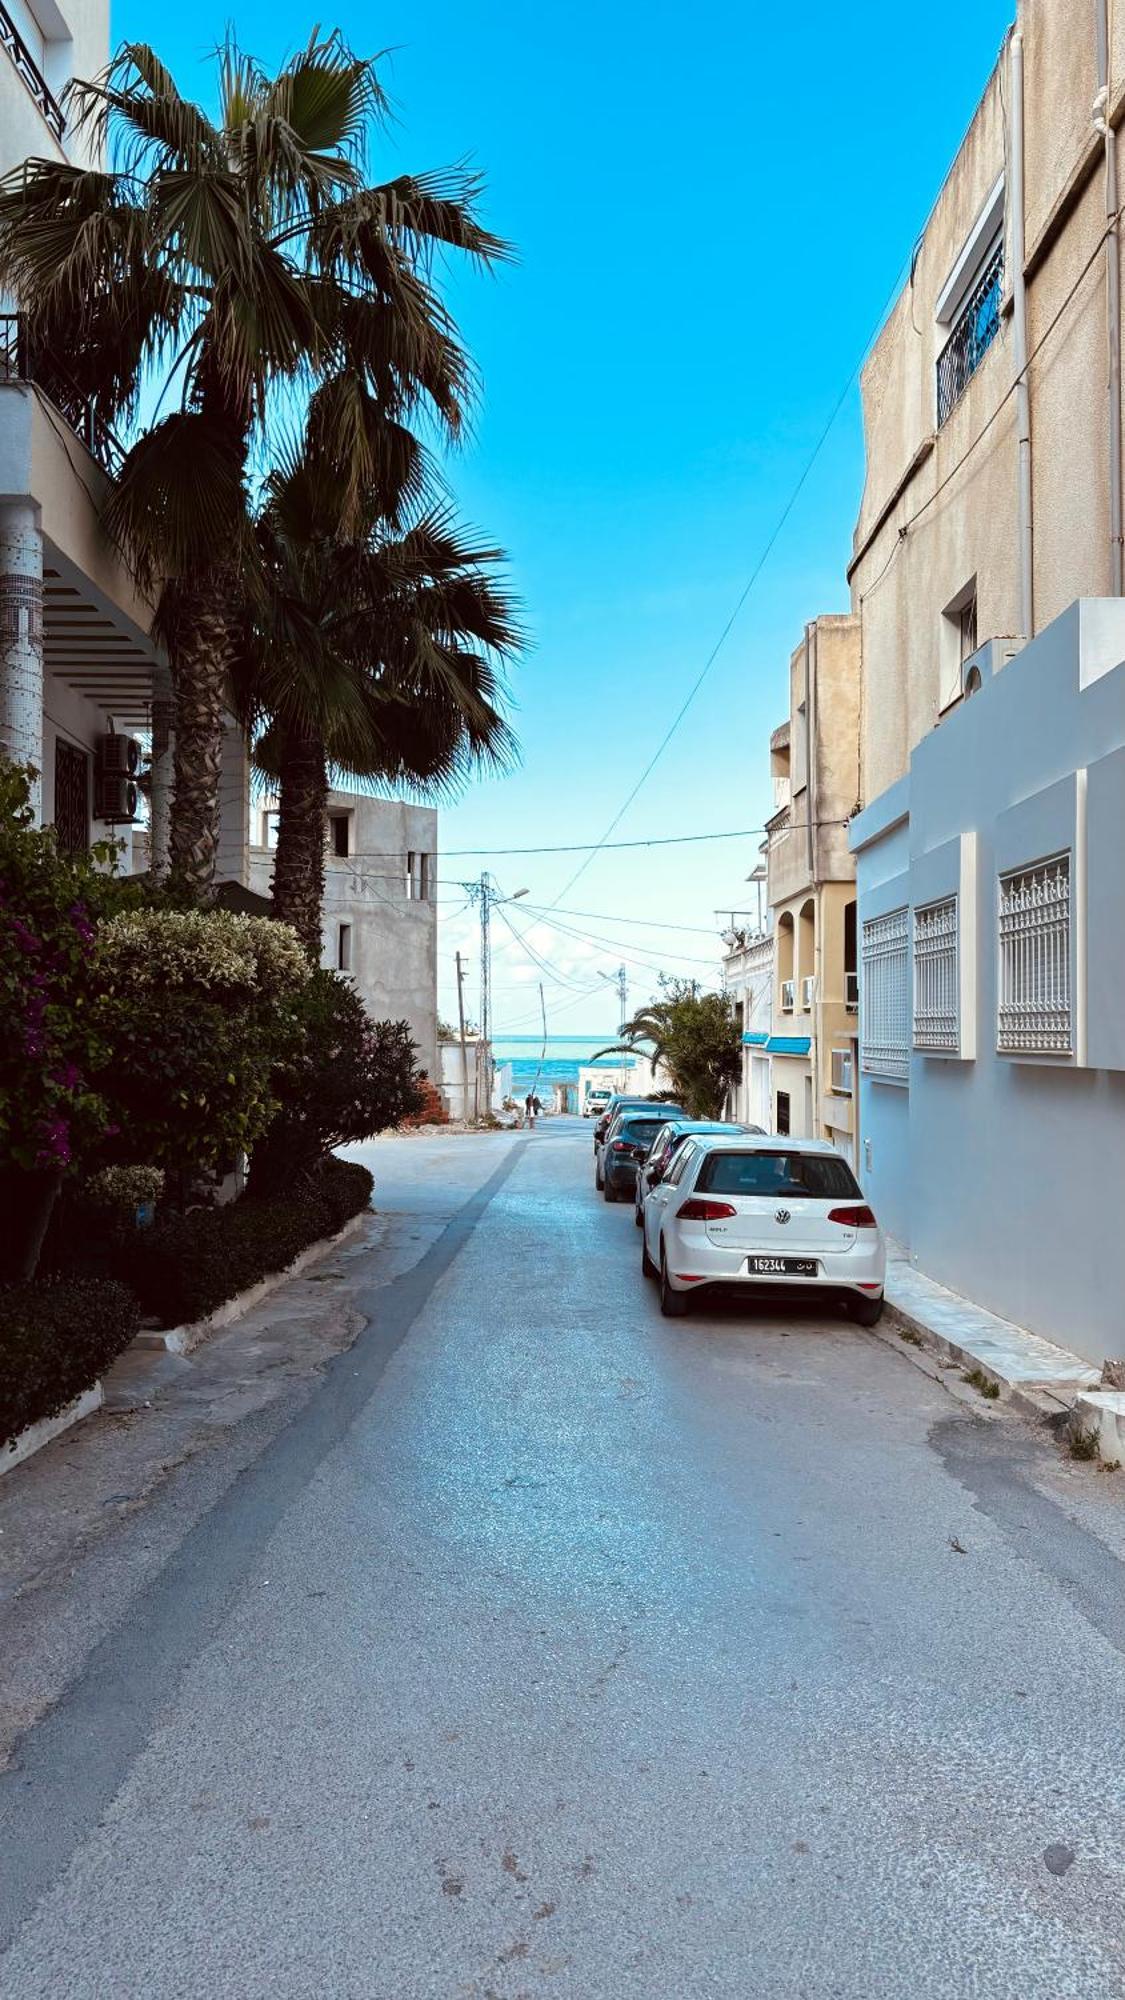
x=885 y=1015
x=936 y=1011
x=1034 y=1011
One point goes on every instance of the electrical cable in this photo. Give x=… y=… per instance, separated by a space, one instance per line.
x=651 y=961
x=612 y=846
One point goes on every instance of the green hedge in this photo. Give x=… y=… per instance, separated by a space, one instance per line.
x=184 y=1268
x=55 y=1340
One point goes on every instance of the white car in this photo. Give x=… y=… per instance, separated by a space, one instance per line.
x=768 y=1215
x=596 y=1101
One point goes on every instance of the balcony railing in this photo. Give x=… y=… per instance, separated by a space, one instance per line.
x=29 y=73
x=974 y=331
x=19 y=362
x=788 y=995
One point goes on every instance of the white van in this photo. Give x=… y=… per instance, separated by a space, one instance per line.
x=597 y=1097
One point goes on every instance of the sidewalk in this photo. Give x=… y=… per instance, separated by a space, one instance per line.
x=1036 y=1377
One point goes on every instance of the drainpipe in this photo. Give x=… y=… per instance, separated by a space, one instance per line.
x=1019 y=347
x=1112 y=296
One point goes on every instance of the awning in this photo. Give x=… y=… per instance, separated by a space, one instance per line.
x=788 y=1045
x=756 y=1040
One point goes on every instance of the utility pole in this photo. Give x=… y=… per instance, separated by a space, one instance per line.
x=486 y=894
x=464 y=1043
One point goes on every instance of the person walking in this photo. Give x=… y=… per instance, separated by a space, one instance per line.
x=532 y=1107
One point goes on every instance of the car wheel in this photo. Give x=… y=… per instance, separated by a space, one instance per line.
x=648 y=1268
x=866 y=1312
x=609 y=1192
x=674 y=1305
x=598 y=1182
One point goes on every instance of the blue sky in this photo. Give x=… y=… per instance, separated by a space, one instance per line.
x=711 y=206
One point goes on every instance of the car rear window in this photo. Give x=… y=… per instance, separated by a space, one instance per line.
x=822 y=1176
x=636 y=1129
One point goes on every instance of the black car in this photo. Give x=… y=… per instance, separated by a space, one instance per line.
x=628 y=1107
x=602 y=1121
x=627 y=1142
x=666 y=1144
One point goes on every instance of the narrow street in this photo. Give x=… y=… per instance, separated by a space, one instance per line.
x=553 y=1649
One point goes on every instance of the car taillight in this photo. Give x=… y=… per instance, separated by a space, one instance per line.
x=704 y=1211
x=620 y=1146
x=853 y=1218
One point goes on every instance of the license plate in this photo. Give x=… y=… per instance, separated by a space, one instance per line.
x=782 y=1267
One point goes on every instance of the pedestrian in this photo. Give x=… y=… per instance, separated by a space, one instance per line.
x=532 y=1107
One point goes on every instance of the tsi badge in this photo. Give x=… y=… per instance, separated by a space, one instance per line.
x=782 y=1215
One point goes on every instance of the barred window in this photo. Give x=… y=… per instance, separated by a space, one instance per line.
x=1035 y=1007
x=936 y=1011
x=885 y=1010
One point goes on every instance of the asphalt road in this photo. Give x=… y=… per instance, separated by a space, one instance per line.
x=557 y=1650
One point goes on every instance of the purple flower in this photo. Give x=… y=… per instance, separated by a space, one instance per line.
x=54 y=1143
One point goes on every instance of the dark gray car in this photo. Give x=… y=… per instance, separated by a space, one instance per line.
x=626 y=1144
x=666 y=1144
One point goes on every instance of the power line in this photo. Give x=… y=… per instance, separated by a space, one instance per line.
x=650 y=961
x=747 y=588
x=645 y=923
x=666 y=840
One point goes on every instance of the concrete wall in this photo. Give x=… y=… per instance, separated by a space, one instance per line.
x=393 y=927
x=1005 y=1174
x=939 y=506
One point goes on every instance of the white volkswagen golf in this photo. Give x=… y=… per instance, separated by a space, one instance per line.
x=772 y=1216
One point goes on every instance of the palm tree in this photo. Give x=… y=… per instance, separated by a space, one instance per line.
x=379 y=656
x=231 y=264
x=698 y=1037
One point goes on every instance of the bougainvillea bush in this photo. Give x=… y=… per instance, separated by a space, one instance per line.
x=51 y=1108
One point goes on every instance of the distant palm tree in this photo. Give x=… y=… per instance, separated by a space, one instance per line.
x=377 y=656
x=232 y=264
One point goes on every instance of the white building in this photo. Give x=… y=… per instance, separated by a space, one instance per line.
x=992 y=923
x=380 y=908
x=748 y=976
x=76 y=660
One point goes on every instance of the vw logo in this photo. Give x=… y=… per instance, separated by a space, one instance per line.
x=782 y=1215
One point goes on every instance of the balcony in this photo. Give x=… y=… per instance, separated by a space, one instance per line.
x=974 y=331
x=29 y=73
x=21 y=362
x=788 y=995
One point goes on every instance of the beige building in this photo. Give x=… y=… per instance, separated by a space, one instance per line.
x=811 y=888
x=992 y=496
x=987 y=588
x=79 y=674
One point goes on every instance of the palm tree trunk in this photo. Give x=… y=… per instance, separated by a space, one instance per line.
x=298 y=869
x=200 y=665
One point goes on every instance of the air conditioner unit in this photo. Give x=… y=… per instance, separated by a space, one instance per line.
x=788 y=995
x=987 y=661
x=117 y=764
x=851 y=992
x=842 y=1071
x=808 y=993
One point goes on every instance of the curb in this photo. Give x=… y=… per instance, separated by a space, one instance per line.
x=182 y=1339
x=1032 y=1375
x=26 y=1443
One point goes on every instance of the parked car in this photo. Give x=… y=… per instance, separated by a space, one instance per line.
x=771 y=1217
x=615 y=1104
x=621 y=1108
x=597 y=1101
x=667 y=1144
x=627 y=1141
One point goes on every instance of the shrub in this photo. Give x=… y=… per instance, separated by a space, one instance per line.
x=348 y=1078
x=195 y=1009
x=432 y=1108
x=185 y=1267
x=55 y=1340
x=123 y=1189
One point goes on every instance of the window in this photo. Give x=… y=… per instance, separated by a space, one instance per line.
x=817 y=1176
x=423 y=877
x=339 y=826
x=936 y=1009
x=885 y=1014
x=1034 y=922
x=969 y=303
x=72 y=797
x=781 y=1120
x=682 y=1159
x=417 y=876
x=410 y=860
x=269 y=828
x=343 y=948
